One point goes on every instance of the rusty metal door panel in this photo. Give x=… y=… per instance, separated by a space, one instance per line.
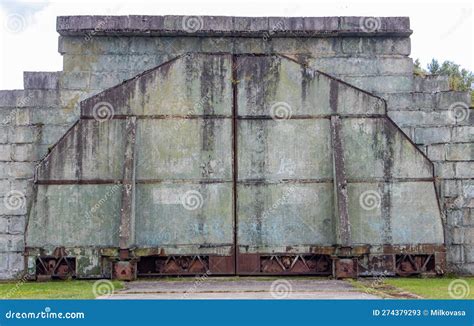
x=375 y=149
x=264 y=81
x=248 y=164
x=415 y=204
x=286 y=149
x=75 y=215
x=390 y=185
x=367 y=222
x=285 y=189
x=184 y=173
x=272 y=216
x=75 y=156
x=186 y=149
x=189 y=85
x=394 y=213
x=185 y=217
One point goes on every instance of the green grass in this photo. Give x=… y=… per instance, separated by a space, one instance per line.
x=51 y=290
x=435 y=288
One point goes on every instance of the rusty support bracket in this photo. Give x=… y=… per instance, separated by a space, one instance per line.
x=343 y=228
x=127 y=211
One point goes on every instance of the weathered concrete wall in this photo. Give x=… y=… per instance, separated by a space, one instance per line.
x=100 y=52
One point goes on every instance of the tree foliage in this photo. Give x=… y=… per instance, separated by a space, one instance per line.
x=460 y=79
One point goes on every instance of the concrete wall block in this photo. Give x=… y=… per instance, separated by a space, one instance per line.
x=288 y=24
x=444 y=170
x=69 y=99
x=3 y=262
x=171 y=47
x=464 y=169
x=357 y=66
x=143 y=62
x=15 y=116
x=381 y=84
x=75 y=80
x=457 y=235
x=28 y=98
x=431 y=83
x=11 y=98
x=410 y=132
x=388 y=23
x=432 y=135
x=463 y=134
x=145 y=45
x=4 y=223
x=12 y=265
x=17 y=225
x=41 y=80
x=52 y=133
x=406 y=118
x=88 y=63
x=469 y=217
x=469 y=253
x=11 y=243
x=54 y=116
x=424 y=118
x=460 y=152
x=24 y=153
x=4 y=170
x=24 y=134
x=90 y=44
x=469 y=235
x=423 y=101
x=260 y=23
x=300 y=46
x=217 y=44
x=367 y=45
x=398 y=101
x=444 y=100
x=436 y=152
x=455 y=217
x=409 y=101
x=321 y=47
x=4 y=186
x=462 y=269
x=24 y=186
x=16 y=262
x=21 y=170
x=79 y=62
x=4 y=134
x=259 y=45
x=100 y=81
x=5 y=152
x=451 y=188
x=468 y=188
x=455 y=253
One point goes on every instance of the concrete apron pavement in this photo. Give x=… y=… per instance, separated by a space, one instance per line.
x=240 y=288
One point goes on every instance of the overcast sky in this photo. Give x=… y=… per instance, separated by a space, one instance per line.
x=28 y=38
